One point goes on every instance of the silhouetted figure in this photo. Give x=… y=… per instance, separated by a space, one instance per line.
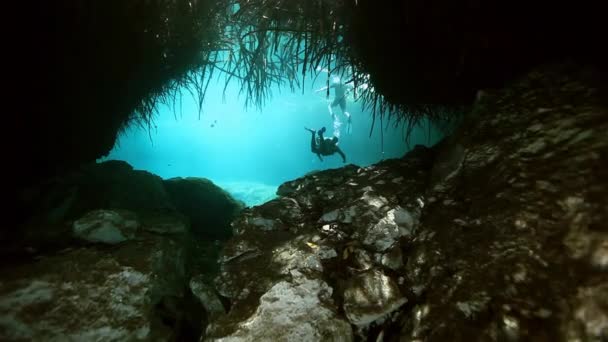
x=324 y=146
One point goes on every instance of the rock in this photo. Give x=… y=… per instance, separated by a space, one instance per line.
x=497 y=233
x=292 y=256
x=582 y=243
x=111 y=185
x=207 y=297
x=283 y=209
x=290 y=311
x=263 y=223
x=330 y=216
x=325 y=240
x=499 y=253
x=115 y=185
x=326 y=252
x=106 y=226
x=361 y=259
x=209 y=208
x=395 y=224
x=168 y=223
x=371 y=296
x=393 y=258
x=590 y=314
x=238 y=249
x=448 y=162
x=373 y=200
x=93 y=294
x=256 y=269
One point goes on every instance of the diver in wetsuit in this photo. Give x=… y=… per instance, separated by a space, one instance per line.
x=324 y=146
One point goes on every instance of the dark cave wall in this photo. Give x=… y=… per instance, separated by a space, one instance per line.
x=83 y=68
x=444 y=51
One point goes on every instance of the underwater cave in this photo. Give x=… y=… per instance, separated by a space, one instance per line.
x=316 y=170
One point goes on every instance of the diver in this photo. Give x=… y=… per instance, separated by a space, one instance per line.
x=340 y=92
x=324 y=146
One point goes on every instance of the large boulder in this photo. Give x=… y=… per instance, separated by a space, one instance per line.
x=106 y=226
x=111 y=184
x=124 y=264
x=331 y=233
x=55 y=204
x=129 y=292
x=203 y=208
x=209 y=207
x=290 y=311
x=371 y=296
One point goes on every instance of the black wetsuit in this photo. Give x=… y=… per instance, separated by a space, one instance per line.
x=324 y=146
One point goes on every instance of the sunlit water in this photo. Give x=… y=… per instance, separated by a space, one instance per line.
x=250 y=152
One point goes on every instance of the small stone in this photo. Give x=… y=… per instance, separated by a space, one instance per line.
x=106 y=226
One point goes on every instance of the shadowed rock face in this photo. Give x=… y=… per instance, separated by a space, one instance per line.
x=209 y=208
x=49 y=208
x=109 y=254
x=508 y=218
x=203 y=208
x=96 y=293
x=497 y=233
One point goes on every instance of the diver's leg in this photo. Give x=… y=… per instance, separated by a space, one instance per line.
x=342 y=104
x=331 y=112
x=313 y=145
x=343 y=108
x=331 y=108
x=349 y=124
x=337 y=125
x=347 y=114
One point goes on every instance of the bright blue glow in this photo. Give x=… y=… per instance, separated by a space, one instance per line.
x=250 y=152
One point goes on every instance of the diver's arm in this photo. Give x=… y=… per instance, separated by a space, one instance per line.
x=341 y=154
x=321 y=89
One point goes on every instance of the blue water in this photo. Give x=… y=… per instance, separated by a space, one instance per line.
x=250 y=152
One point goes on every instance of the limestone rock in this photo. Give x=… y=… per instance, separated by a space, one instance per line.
x=290 y=311
x=386 y=232
x=371 y=296
x=209 y=208
x=106 y=226
x=93 y=294
x=207 y=297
